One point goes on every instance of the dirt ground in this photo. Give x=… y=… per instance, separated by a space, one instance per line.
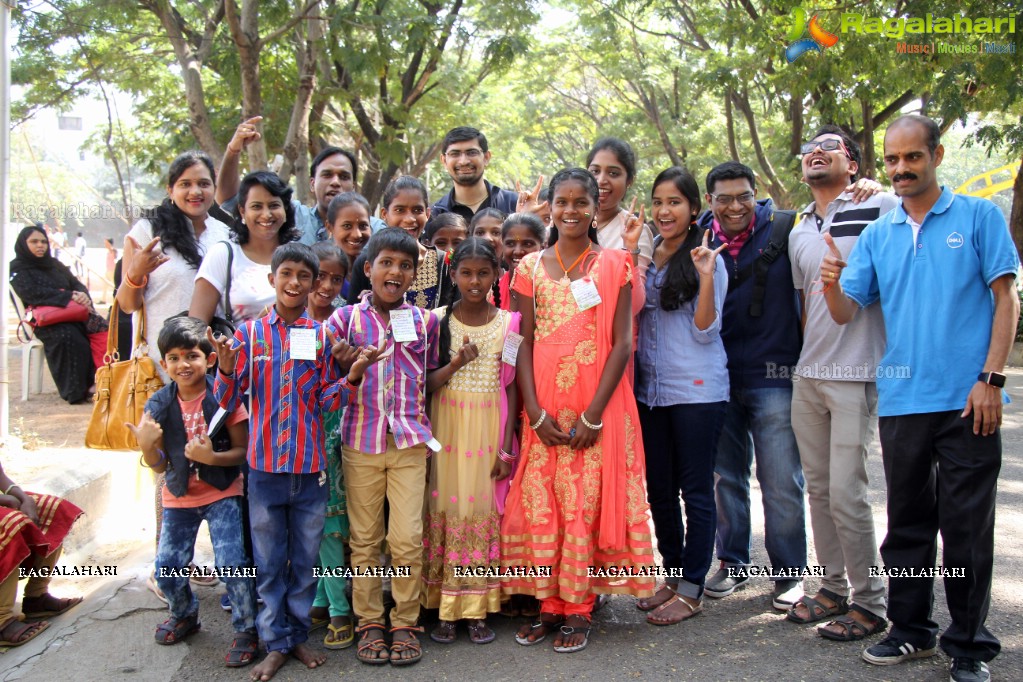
x=44 y=420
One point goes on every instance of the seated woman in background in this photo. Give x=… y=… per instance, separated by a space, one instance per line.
x=32 y=532
x=39 y=279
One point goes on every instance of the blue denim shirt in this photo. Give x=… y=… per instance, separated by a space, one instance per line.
x=678 y=363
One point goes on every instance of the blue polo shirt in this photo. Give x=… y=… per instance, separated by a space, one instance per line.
x=935 y=296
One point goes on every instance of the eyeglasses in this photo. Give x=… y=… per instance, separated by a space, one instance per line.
x=467 y=153
x=727 y=199
x=828 y=145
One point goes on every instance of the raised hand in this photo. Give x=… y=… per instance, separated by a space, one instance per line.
x=704 y=258
x=633 y=229
x=144 y=260
x=148 y=432
x=367 y=356
x=244 y=135
x=343 y=352
x=227 y=352
x=863 y=189
x=832 y=265
x=466 y=354
x=528 y=198
x=200 y=449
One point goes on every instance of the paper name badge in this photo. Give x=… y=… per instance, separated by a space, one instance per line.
x=403 y=326
x=510 y=352
x=585 y=292
x=302 y=344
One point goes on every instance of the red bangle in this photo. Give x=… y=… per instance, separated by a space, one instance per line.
x=132 y=285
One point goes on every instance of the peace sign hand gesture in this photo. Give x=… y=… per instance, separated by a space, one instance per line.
x=143 y=261
x=528 y=198
x=704 y=258
x=227 y=352
x=633 y=229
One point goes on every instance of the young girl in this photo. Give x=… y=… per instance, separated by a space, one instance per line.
x=521 y=234
x=348 y=222
x=407 y=205
x=577 y=498
x=445 y=231
x=471 y=391
x=331 y=601
x=682 y=390
x=487 y=225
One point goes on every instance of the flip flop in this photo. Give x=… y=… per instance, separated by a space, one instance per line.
x=23 y=632
x=649 y=604
x=446 y=632
x=657 y=616
x=571 y=630
x=318 y=623
x=547 y=626
x=339 y=637
x=480 y=633
x=47 y=606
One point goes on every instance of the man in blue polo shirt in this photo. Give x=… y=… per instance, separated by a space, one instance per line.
x=943 y=266
x=466 y=155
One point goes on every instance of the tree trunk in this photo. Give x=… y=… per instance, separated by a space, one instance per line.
x=733 y=149
x=245 y=33
x=778 y=191
x=191 y=73
x=868 y=164
x=1016 y=214
x=296 y=144
x=796 y=114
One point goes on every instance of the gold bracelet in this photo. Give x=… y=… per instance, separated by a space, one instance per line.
x=587 y=424
x=132 y=285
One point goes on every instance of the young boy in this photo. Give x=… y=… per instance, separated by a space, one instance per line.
x=286 y=359
x=384 y=434
x=179 y=435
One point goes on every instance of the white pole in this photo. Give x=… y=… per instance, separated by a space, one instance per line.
x=5 y=212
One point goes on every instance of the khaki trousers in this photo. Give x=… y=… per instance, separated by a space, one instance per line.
x=834 y=422
x=399 y=475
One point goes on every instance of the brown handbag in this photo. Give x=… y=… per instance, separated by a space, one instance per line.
x=122 y=389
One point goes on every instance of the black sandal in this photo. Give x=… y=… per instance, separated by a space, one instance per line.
x=243 y=650
x=567 y=630
x=172 y=630
x=852 y=629
x=817 y=611
x=546 y=626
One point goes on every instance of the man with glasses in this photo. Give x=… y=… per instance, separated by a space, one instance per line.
x=465 y=155
x=834 y=401
x=944 y=266
x=760 y=330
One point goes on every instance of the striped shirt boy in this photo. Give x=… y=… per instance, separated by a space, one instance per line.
x=288 y=397
x=392 y=396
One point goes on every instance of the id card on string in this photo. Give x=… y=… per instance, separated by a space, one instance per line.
x=510 y=352
x=302 y=344
x=403 y=326
x=585 y=292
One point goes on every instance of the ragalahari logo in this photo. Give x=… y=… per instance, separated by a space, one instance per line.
x=818 y=41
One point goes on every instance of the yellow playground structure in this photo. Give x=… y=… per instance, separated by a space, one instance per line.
x=990 y=182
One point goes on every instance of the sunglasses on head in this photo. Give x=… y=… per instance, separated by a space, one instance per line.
x=828 y=145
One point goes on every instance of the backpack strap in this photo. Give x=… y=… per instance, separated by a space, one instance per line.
x=228 y=312
x=782 y=223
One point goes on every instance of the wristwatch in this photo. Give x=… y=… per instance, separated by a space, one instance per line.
x=993 y=378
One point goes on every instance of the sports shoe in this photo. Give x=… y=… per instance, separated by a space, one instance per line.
x=969 y=670
x=892 y=650
x=721 y=584
x=786 y=593
x=225 y=602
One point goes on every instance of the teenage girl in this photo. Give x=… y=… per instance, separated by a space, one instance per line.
x=348 y=223
x=407 y=205
x=521 y=234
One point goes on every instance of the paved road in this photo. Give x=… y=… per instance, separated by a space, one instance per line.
x=737 y=638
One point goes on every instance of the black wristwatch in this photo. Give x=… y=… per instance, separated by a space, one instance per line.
x=993 y=378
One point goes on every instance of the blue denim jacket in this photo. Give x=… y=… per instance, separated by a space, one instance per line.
x=678 y=363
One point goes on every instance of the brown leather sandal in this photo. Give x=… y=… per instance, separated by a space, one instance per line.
x=370 y=647
x=399 y=646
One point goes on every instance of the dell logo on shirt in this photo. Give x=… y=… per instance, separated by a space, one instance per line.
x=954 y=241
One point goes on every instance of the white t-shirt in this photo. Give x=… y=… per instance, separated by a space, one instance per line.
x=610 y=237
x=169 y=291
x=80 y=247
x=251 y=293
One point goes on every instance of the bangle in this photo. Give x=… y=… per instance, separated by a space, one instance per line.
x=12 y=487
x=592 y=427
x=227 y=375
x=539 y=420
x=506 y=456
x=351 y=383
x=142 y=459
x=634 y=252
x=132 y=285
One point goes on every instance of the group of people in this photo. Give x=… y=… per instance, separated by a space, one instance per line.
x=508 y=386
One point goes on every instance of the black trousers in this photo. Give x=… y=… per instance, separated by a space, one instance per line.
x=941 y=478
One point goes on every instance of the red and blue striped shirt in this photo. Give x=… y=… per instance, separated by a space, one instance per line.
x=392 y=395
x=288 y=396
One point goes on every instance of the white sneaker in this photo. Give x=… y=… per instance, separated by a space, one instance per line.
x=786 y=594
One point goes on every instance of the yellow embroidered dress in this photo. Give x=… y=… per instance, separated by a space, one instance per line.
x=576 y=509
x=462 y=527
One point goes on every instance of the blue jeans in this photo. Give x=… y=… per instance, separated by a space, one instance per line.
x=286 y=512
x=758 y=421
x=680 y=442
x=177 y=545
